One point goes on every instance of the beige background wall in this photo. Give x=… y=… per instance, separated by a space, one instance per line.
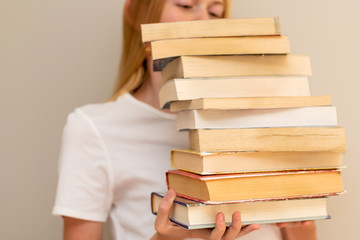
x=57 y=55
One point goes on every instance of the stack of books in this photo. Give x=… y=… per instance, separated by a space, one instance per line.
x=259 y=142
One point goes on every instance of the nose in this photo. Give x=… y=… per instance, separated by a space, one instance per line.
x=201 y=13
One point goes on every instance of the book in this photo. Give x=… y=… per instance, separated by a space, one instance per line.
x=256 y=118
x=269 y=139
x=218 y=46
x=233 y=87
x=206 y=163
x=194 y=215
x=237 y=65
x=250 y=103
x=227 y=188
x=211 y=28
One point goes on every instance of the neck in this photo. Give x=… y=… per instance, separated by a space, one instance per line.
x=149 y=90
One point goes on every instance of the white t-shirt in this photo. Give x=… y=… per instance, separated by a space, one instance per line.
x=113 y=156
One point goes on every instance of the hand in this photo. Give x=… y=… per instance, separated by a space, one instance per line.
x=298 y=230
x=165 y=230
x=295 y=224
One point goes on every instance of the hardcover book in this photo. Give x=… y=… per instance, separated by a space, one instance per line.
x=208 y=163
x=227 y=188
x=194 y=215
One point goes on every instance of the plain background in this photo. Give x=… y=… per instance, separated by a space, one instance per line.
x=57 y=55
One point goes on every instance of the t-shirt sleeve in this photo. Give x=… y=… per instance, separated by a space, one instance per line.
x=84 y=187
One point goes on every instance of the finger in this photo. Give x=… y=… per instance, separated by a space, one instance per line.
x=281 y=224
x=288 y=224
x=294 y=224
x=220 y=227
x=248 y=229
x=306 y=223
x=235 y=227
x=163 y=214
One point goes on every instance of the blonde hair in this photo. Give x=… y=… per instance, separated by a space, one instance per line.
x=132 y=70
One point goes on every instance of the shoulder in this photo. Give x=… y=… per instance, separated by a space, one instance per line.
x=122 y=109
x=94 y=111
x=93 y=114
x=82 y=138
x=82 y=124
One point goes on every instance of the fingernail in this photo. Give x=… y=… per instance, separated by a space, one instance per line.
x=306 y=223
x=281 y=225
x=221 y=217
x=237 y=216
x=256 y=226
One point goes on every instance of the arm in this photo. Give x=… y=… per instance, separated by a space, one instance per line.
x=78 y=229
x=83 y=167
x=304 y=231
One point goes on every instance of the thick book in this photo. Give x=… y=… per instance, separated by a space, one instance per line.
x=244 y=186
x=207 y=163
x=233 y=87
x=257 y=118
x=194 y=215
x=211 y=28
x=250 y=103
x=269 y=139
x=237 y=65
x=218 y=46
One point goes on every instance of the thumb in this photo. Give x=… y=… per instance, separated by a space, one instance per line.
x=164 y=209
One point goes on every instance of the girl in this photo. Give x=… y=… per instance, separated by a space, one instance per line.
x=114 y=154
